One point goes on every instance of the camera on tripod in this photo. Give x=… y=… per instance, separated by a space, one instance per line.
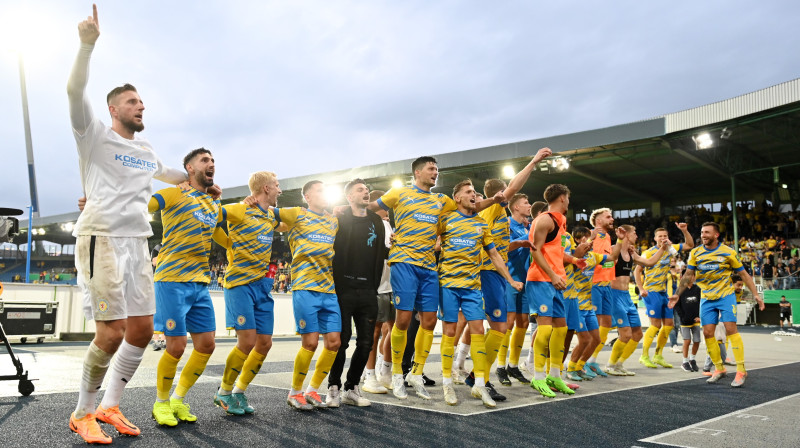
x=9 y=227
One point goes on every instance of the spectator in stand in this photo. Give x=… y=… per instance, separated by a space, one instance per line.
x=782 y=276
x=768 y=273
x=786 y=311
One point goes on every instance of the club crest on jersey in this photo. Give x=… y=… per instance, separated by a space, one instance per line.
x=102 y=306
x=241 y=320
x=543 y=309
x=301 y=324
x=497 y=313
x=170 y=324
x=720 y=259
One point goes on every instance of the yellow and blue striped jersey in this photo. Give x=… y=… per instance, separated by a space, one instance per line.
x=569 y=268
x=497 y=220
x=582 y=282
x=416 y=215
x=311 y=238
x=713 y=268
x=249 y=243
x=655 y=277
x=464 y=238
x=189 y=219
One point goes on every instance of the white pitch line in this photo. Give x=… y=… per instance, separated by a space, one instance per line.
x=651 y=439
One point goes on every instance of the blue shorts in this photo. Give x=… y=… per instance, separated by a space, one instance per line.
x=625 y=313
x=720 y=310
x=250 y=306
x=316 y=312
x=656 y=303
x=183 y=307
x=468 y=300
x=602 y=300
x=588 y=321
x=414 y=288
x=493 y=287
x=516 y=302
x=544 y=299
x=573 y=314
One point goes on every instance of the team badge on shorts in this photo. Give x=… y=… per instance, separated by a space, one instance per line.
x=619 y=321
x=652 y=312
x=170 y=324
x=594 y=307
x=543 y=309
x=497 y=313
x=580 y=325
x=302 y=324
x=397 y=300
x=241 y=320
x=102 y=306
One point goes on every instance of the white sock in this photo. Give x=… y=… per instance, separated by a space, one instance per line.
x=126 y=362
x=222 y=391
x=175 y=396
x=691 y=357
x=378 y=359
x=530 y=357
x=447 y=381
x=685 y=359
x=512 y=366
x=370 y=373
x=293 y=392
x=95 y=365
x=591 y=360
x=310 y=389
x=236 y=390
x=555 y=372
x=461 y=354
x=539 y=376
x=480 y=381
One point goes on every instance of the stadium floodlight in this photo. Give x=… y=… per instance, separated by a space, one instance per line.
x=703 y=141
x=68 y=226
x=508 y=171
x=397 y=183
x=784 y=186
x=333 y=194
x=564 y=163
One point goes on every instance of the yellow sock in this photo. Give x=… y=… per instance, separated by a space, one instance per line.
x=540 y=347
x=398 y=347
x=572 y=366
x=191 y=372
x=737 y=345
x=493 y=341
x=603 y=338
x=515 y=347
x=556 y=346
x=165 y=375
x=502 y=352
x=616 y=351
x=630 y=347
x=301 y=363
x=663 y=337
x=324 y=363
x=233 y=367
x=713 y=351
x=477 y=350
x=250 y=369
x=447 y=349
x=581 y=363
x=422 y=347
x=649 y=335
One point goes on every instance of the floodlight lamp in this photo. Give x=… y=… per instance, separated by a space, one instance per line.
x=67 y=227
x=725 y=134
x=784 y=186
x=333 y=193
x=397 y=183
x=564 y=163
x=508 y=171
x=703 y=141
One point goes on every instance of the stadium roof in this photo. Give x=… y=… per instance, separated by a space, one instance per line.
x=653 y=163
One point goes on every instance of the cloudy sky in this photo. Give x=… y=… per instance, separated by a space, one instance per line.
x=305 y=87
